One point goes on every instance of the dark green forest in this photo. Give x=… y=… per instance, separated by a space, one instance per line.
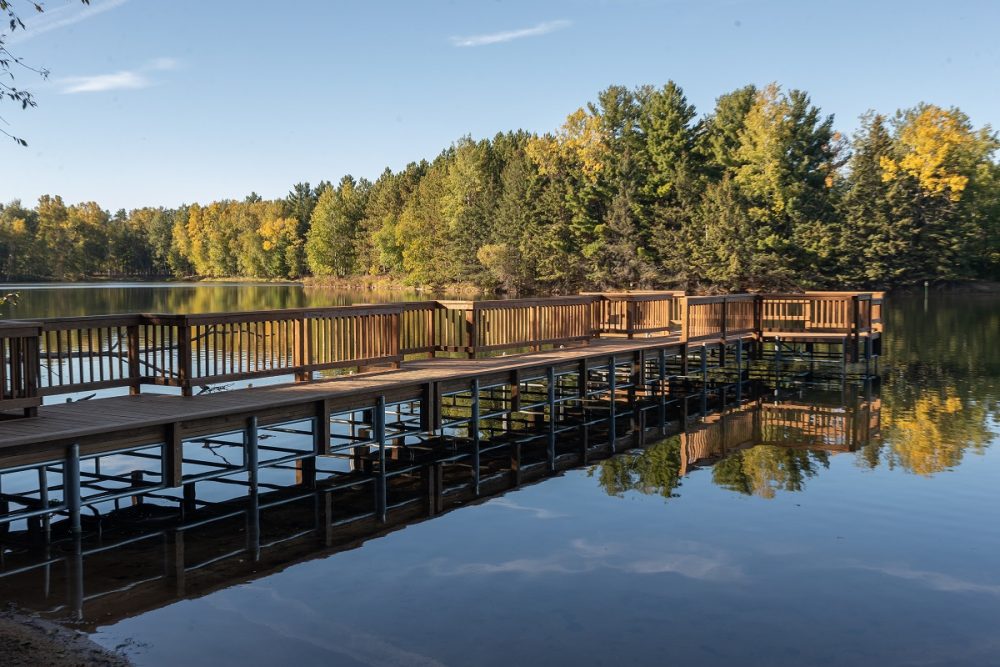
x=636 y=190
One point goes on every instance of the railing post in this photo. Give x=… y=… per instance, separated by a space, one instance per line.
x=395 y=335
x=596 y=309
x=134 y=372
x=855 y=326
x=301 y=349
x=684 y=319
x=630 y=317
x=725 y=313
x=184 y=364
x=758 y=318
x=471 y=329
x=430 y=328
x=536 y=325
x=32 y=371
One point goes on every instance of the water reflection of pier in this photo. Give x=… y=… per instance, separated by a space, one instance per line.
x=831 y=428
x=144 y=555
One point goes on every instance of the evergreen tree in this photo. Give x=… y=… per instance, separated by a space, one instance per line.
x=331 y=245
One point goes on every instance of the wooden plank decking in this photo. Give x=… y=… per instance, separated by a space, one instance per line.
x=105 y=423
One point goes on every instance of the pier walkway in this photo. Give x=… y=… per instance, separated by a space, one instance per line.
x=365 y=386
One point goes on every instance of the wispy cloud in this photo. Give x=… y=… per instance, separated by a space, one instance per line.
x=164 y=64
x=510 y=35
x=100 y=83
x=59 y=17
x=122 y=80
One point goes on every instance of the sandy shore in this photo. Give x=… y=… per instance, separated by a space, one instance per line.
x=30 y=642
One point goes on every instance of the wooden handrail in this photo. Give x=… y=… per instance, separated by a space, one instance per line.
x=19 y=366
x=64 y=355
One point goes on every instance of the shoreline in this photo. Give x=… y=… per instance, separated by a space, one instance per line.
x=27 y=641
x=390 y=283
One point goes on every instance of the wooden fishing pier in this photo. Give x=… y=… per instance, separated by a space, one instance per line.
x=360 y=389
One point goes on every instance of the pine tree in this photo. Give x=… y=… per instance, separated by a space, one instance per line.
x=331 y=246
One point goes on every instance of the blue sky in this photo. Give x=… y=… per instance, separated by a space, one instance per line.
x=162 y=102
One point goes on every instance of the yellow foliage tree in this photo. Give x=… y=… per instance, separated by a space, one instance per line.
x=580 y=143
x=938 y=148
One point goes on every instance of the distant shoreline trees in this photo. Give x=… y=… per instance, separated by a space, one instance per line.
x=635 y=190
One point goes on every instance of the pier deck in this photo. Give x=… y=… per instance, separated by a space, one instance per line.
x=105 y=424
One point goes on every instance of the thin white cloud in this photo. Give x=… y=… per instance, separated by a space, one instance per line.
x=164 y=64
x=59 y=17
x=121 y=80
x=100 y=83
x=510 y=35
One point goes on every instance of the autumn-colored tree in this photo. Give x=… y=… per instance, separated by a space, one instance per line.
x=632 y=190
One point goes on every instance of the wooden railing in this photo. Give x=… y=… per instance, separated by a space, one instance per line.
x=819 y=312
x=637 y=313
x=60 y=356
x=473 y=327
x=102 y=352
x=19 y=366
x=417 y=327
x=718 y=317
x=877 y=299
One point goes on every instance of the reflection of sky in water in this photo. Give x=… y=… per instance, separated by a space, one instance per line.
x=865 y=567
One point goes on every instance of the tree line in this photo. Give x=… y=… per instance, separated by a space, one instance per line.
x=634 y=190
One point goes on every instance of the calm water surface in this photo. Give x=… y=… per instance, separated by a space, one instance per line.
x=791 y=554
x=71 y=299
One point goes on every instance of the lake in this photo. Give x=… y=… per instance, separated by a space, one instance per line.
x=864 y=531
x=71 y=299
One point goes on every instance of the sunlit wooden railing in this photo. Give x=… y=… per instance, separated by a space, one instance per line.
x=417 y=327
x=718 y=317
x=818 y=312
x=87 y=354
x=475 y=327
x=877 y=299
x=637 y=313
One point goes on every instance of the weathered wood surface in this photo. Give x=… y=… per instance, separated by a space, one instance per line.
x=124 y=420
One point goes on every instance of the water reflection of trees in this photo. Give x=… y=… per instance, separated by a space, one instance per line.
x=760 y=471
x=759 y=449
x=943 y=382
x=932 y=433
x=183 y=298
x=765 y=469
x=654 y=471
